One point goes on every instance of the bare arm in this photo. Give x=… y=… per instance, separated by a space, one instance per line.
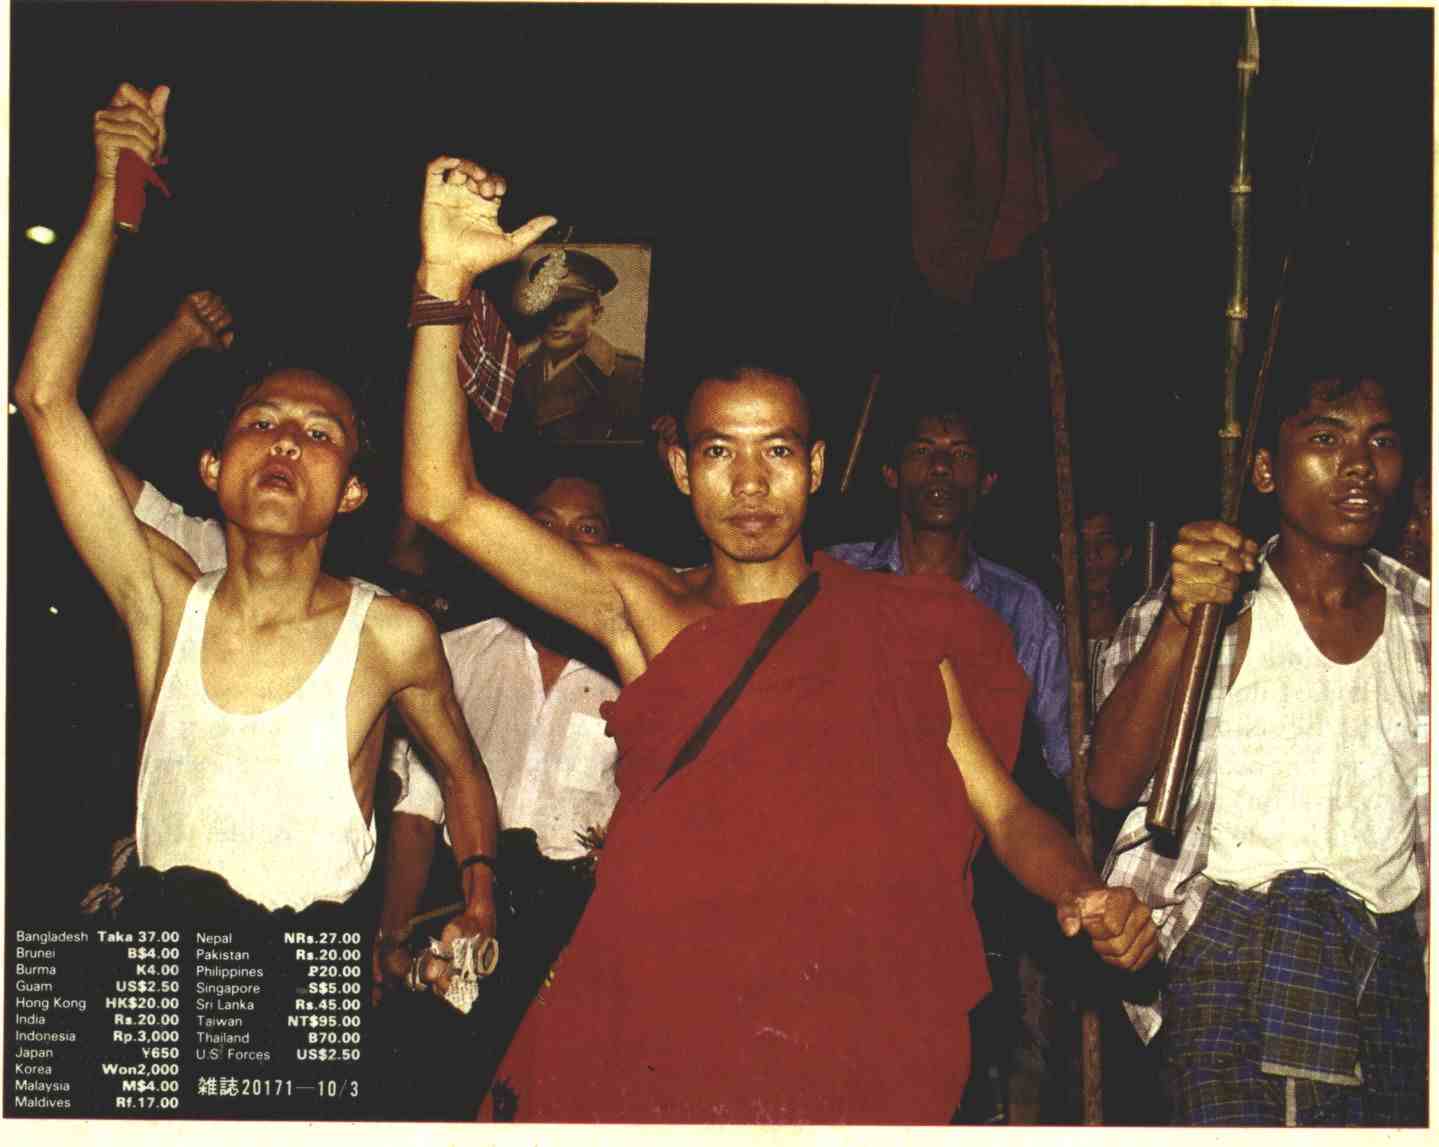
x=407 y=548
x=1041 y=855
x=425 y=698
x=460 y=238
x=408 y=854
x=407 y=869
x=201 y=321
x=1208 y=559
x=92 y=505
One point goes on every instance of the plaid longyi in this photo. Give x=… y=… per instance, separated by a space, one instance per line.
x=1297 y=1006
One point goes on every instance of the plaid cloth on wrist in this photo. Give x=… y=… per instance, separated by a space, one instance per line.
x=488 y=358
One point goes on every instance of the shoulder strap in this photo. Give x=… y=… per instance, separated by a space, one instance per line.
x=346 y=645
x=793 y=606
x=184 y=670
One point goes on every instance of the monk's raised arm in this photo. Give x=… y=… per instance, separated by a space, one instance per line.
x=91 y=502
x=460 y=237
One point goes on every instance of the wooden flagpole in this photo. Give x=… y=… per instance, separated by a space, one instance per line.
x=867 y=411
x=1090 y=1067
x=859 y=432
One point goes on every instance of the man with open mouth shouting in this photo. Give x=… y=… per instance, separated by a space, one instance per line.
x=260 y=683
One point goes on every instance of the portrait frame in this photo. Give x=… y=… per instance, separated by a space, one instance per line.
x=582 y=353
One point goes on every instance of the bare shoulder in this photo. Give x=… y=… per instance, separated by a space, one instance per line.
x=629 y=570
x=401 y=647
x=658 y=602
x=650 y=587
x=399 y=631
x=695 y=579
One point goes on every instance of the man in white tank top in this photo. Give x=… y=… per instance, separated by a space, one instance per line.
x=1293 y=917
x=202 y=321
x=259 y=685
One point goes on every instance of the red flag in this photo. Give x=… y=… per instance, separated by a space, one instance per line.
x=132 y=176
x=971 y=156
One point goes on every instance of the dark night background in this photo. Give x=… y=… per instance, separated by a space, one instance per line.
x=764 y=153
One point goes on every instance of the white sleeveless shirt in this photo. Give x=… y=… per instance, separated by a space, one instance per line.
x=262 y=799
x=1317 y=762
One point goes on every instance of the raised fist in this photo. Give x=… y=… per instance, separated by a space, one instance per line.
x=134 y=120
x=203 y=320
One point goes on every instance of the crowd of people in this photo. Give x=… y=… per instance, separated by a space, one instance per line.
x=780 y=837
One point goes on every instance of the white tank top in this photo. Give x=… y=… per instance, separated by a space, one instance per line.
x=1318 y=763
x=262 y=799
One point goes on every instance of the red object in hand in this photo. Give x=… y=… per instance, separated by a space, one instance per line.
x=131 y=175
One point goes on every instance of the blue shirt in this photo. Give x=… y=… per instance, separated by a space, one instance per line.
x=1038 y=643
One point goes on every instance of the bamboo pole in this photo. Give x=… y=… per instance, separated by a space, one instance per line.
x=1090 y=1066
x=1231 y=508
x=1153 y=561
x=1236 y=314
x=433 y=914
x=1256 y=403
x=867 y=411
x=859 y=431
x=1186 y=704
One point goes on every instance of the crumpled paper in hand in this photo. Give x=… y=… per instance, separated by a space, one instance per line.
x=471 y=958
x=107 y=896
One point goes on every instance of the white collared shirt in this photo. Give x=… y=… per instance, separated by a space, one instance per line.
x=550 y=761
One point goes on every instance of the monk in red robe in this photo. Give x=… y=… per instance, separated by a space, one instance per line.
x=781 y=930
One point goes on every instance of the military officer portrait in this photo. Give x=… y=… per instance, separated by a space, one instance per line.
x=579 y=380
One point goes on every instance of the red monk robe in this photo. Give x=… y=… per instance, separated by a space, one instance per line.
x=783 y=931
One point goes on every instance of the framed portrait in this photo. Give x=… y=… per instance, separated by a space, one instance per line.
x=580 y=312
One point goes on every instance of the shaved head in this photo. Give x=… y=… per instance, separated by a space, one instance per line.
x=740 y=375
